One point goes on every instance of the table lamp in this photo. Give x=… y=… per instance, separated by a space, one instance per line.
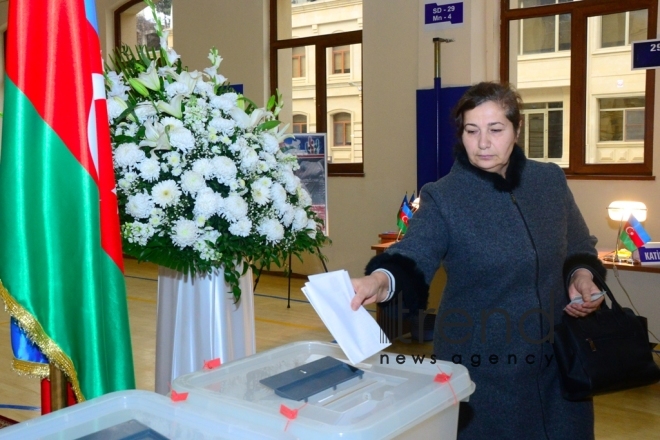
x=620 y=211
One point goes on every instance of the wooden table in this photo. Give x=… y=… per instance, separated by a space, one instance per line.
x=623 y=266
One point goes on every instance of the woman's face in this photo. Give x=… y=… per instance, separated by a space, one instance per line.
x=488 y=137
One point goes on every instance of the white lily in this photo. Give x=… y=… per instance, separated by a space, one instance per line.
x=155 y=136
x=189 y=79
x=242 y=119
x=281 y=134
x=173 y=107
x=257 y=116
x=172 y=56
x=150 y=78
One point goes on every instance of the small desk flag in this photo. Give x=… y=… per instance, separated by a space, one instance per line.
x=633 y=234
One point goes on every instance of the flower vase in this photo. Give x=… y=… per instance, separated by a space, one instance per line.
x=199 y=321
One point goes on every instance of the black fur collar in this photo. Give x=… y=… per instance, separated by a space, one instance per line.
x=513 y=171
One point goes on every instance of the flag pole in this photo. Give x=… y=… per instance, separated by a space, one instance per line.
x=58 y=388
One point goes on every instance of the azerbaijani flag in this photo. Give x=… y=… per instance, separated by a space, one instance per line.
x=633 y=234
x=61 y=268
x=404 y=215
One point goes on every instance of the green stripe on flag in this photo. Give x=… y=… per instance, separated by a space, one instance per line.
x=51 y=261
x=627 y=241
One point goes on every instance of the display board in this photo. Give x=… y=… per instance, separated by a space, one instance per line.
x=311 y=151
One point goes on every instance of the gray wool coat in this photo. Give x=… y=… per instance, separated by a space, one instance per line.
x=508 y=247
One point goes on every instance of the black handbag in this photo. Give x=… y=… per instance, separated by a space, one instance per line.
x=603 y=352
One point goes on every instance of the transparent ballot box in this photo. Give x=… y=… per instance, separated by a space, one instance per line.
x=132 y=415
x=389 y=396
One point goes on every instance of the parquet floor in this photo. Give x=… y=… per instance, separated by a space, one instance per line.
x=632 y=414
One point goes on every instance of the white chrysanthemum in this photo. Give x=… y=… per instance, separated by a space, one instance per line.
x=131 y=176
x=173 y=158
x=124 y=184
x=270 y=144
x=262 y=167
x=263 y=182
x=145 y=111
x=268 y=158
x=129 y=128
x=278 y=193
x=249 y=159
x=171 y=122
x=184 y=232
x=271 y=229
x=128 y=155
x=166 y=193
x=175 y=88
x=287 y=214
x=149 y=169
x=116 y=107
x=311 y=228
x=204 y=167
x=191 y=182
x=241 y=228
x=139 y=205
x=176 y=171
x=224 y=169
x=182 y=139
x=299 y=219
x=289 y=181
x=304 y=199
x=260 y=194
x=204 y=88
x=225 y=102
x=234 y=208
x=223 y=125
x=207 y=202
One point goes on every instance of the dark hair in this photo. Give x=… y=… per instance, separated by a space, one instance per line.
x=501 y=93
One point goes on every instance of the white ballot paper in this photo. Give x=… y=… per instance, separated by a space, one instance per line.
x=356 y=332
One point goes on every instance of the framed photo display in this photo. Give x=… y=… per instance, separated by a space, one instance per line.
x=311 y=151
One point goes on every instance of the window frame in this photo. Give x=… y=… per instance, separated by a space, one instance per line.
x=347 y=129
x=295 y=124
x=321 y=43
x=302 y=68
x=345 y=55
x=580 y=11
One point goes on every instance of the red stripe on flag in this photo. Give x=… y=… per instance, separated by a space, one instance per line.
x=110 y=233
x=48 y=59
x=634 y=236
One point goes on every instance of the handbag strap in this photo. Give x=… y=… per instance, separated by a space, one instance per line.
x=600 y=282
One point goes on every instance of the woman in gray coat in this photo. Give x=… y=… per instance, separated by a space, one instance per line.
x=516 y=250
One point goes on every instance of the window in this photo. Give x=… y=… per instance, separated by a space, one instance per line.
x=545 y=34
x=298 y=69
x=621 y=119
x=134 y=24
x=542 y=130
x=341 y=59
x=623 y=28
x=341 y=133
x=316 y=63
x=570 y=61
x=299 y=124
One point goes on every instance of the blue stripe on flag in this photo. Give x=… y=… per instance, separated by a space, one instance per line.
x=90 y=12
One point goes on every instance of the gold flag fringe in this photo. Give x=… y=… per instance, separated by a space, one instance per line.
x=32 y=369
x=47 y=346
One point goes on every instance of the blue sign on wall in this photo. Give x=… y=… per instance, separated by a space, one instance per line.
x=446 y=14
x=646 y=54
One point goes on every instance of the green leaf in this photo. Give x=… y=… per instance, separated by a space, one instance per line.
x=268 y=125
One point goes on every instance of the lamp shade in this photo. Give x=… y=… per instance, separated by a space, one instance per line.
x=620 y=210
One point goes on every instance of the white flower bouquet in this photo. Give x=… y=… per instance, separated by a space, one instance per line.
x=201 y=180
